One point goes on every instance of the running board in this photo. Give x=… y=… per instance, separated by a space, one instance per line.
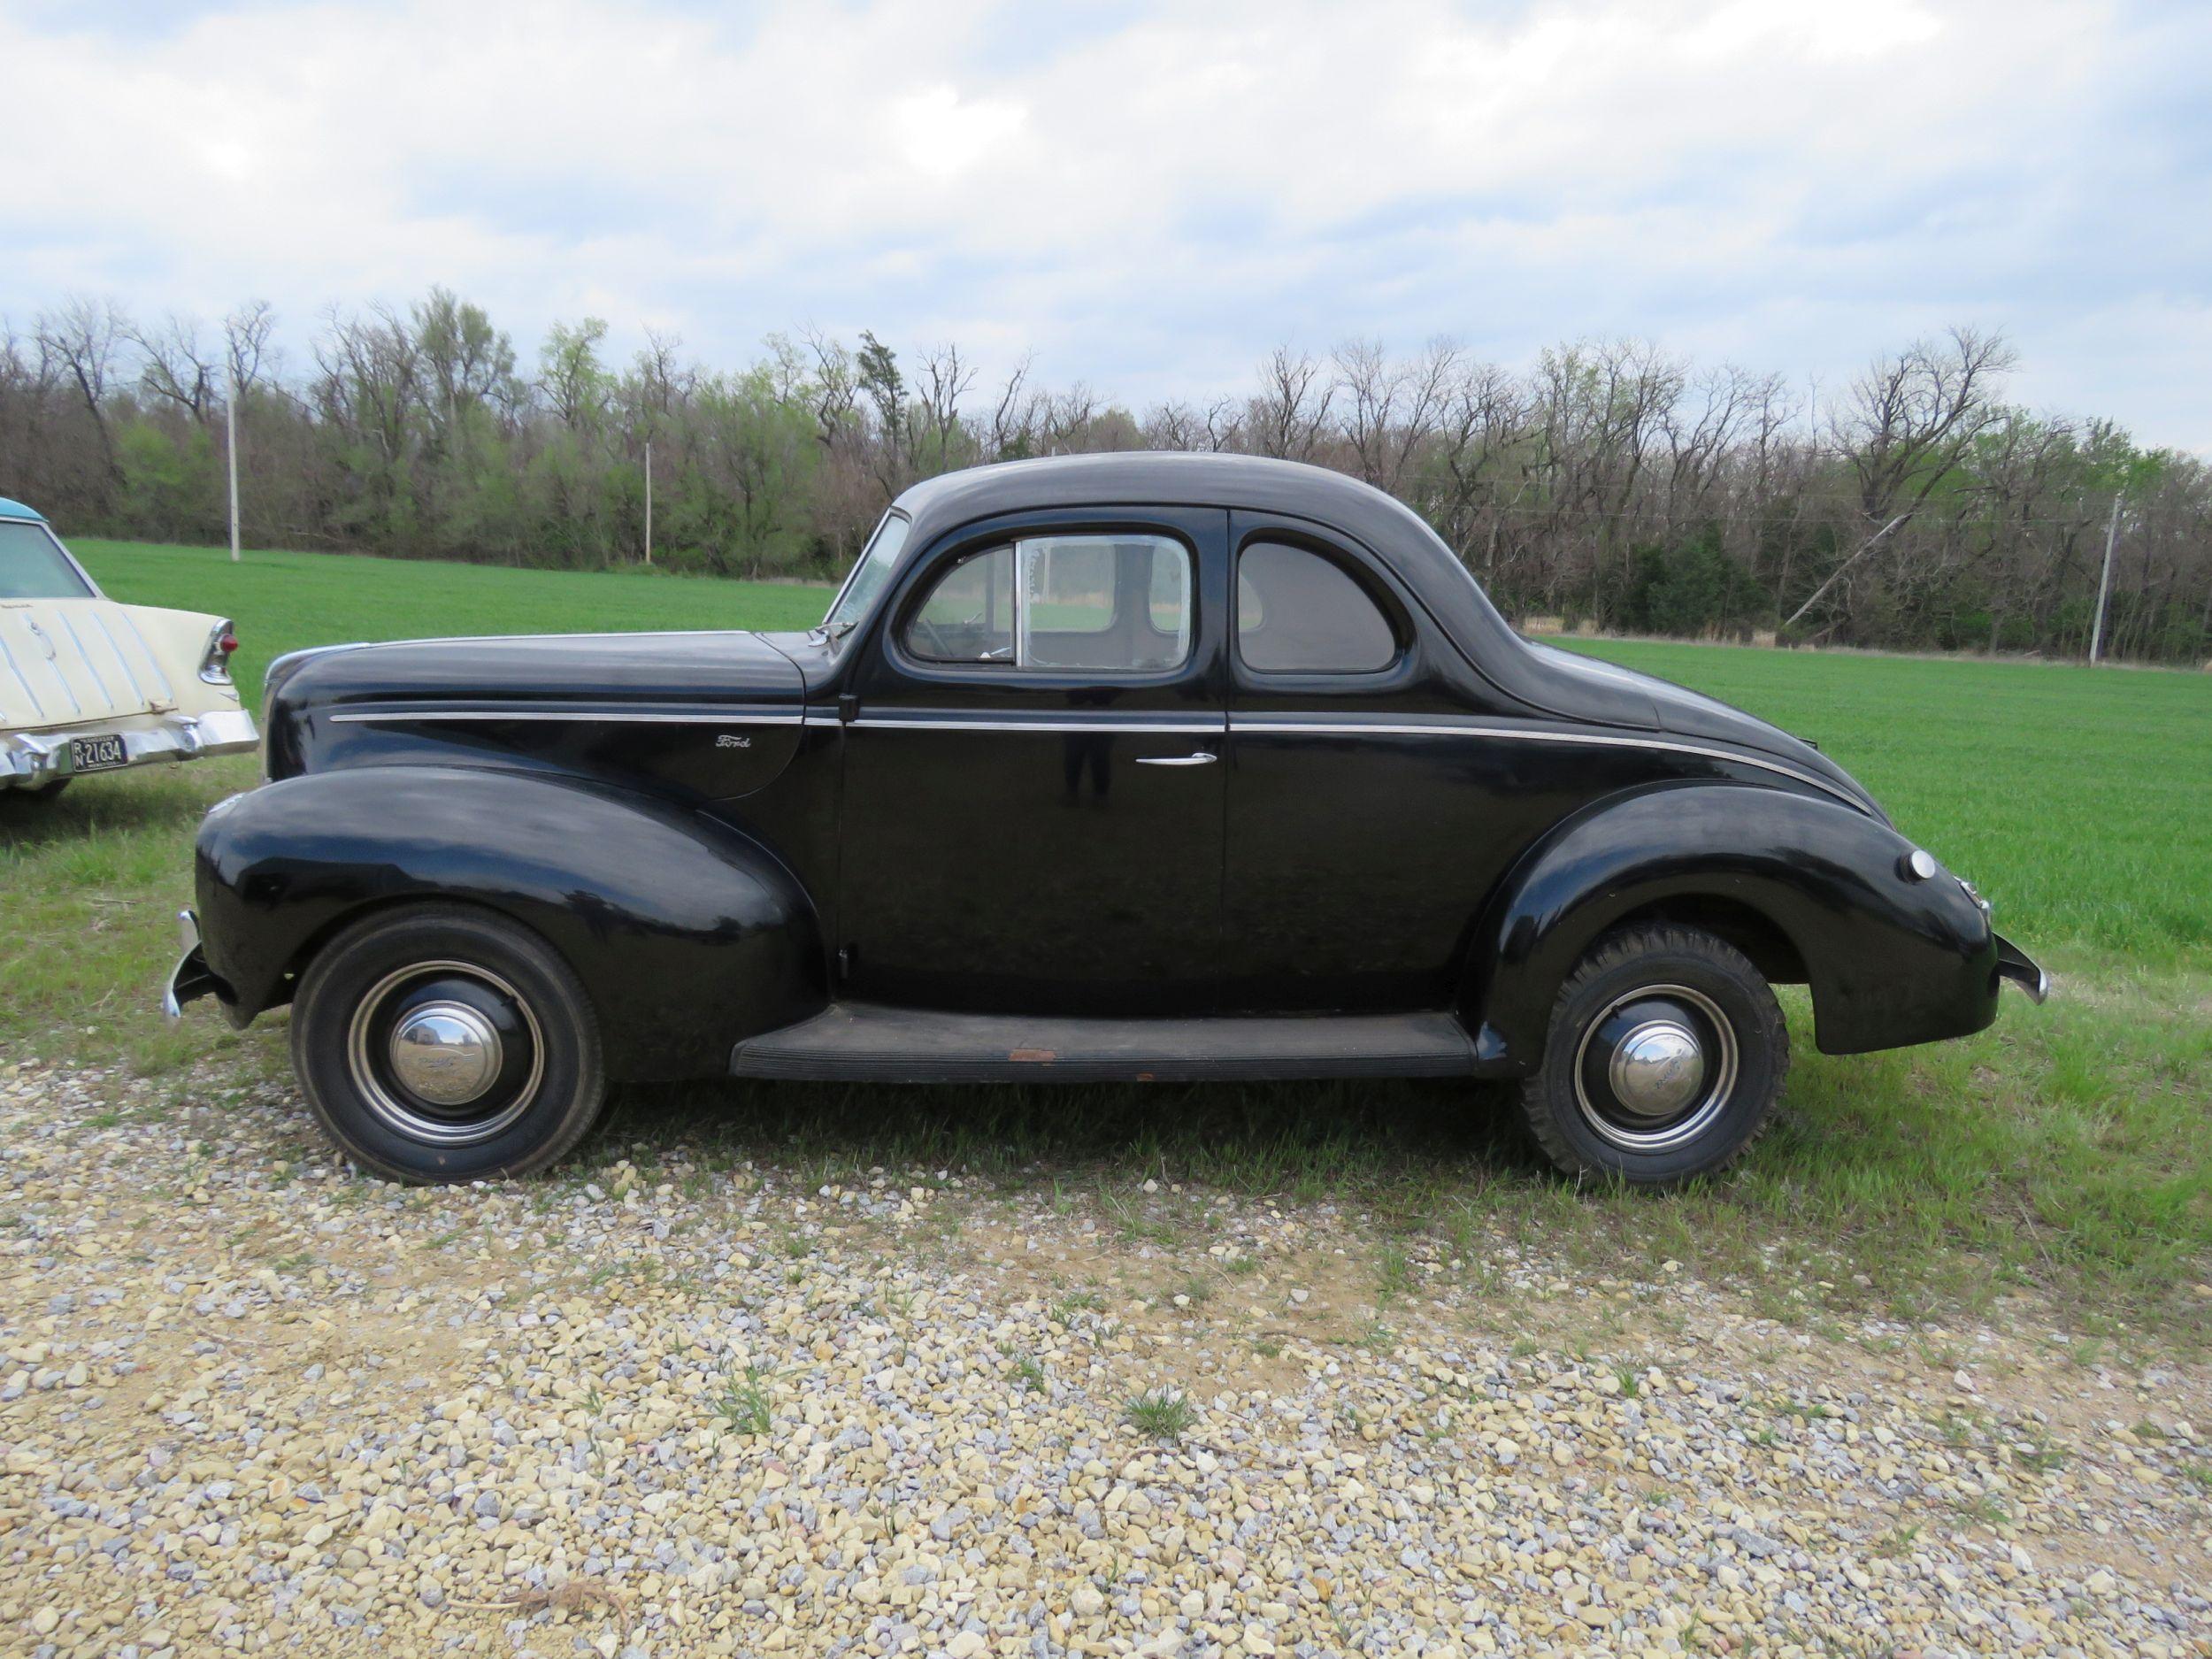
x=868 y=1042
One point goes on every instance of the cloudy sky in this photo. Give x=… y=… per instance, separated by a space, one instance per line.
x=1148 y=197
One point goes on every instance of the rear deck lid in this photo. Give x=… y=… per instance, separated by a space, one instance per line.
x=64 y=662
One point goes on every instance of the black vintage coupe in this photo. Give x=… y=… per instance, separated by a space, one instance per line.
x=1133 y=767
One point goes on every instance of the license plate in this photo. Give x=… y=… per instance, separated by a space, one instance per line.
x=96 y=754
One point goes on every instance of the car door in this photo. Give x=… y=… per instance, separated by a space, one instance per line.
x=1033 y=800
x=1361 y=828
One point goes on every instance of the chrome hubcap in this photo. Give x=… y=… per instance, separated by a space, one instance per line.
x=1655 y=1068
x=446 y=1052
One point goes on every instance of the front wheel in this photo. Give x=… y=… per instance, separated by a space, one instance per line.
x=439 y=1043
x=1665 y=1054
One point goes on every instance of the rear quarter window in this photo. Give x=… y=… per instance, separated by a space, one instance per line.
x=1299 y=613
x=33 y=566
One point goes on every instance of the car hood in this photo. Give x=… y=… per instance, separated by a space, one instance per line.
x=1584 y=686
x=706 y=668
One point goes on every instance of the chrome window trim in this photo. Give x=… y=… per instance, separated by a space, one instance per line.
x=1024 y=549
x=91 y=588
x=852 y=575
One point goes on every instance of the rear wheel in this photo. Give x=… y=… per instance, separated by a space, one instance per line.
x=1663 y=1061
x=439 y=1043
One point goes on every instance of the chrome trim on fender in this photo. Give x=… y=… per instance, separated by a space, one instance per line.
x=1296 y=726
x=941 y=720
x=588 y=717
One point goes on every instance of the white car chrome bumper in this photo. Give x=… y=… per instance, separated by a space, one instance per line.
x=28 y=759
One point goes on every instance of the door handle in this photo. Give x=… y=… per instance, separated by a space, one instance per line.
x=1201 y=758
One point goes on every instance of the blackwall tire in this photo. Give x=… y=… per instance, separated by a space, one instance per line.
x=440 y=1043
x=1664 y=1058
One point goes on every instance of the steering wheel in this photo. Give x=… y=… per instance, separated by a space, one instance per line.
x=939 y=647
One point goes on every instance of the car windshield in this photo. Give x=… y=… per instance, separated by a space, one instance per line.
x=858 y=595
x=33 y=566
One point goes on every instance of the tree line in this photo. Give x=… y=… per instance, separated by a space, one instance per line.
x=1610 y=482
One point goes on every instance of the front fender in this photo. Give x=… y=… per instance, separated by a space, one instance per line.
x=686 y=935
x=1890 y=960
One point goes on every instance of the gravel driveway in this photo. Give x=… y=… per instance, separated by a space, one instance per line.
x=251 y=1402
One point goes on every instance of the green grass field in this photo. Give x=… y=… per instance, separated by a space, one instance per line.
x=2068 y=1148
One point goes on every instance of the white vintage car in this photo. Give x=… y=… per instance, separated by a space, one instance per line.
x=88 y=685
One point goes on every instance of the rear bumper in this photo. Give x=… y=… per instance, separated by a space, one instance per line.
x=2016 y=965
x=30 y=759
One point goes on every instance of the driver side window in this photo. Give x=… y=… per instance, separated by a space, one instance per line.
x=969 y=615
x=1116 y=604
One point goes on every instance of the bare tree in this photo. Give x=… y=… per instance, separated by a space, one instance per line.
x=1285 y=419
x=82 y=342
x=173 y=369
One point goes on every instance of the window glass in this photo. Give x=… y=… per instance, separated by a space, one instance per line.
x=969 y=615
x=1299 y=613
x=857 y=597
x=1070 y=585
x=1099 y=603
x=1117 y=604
x=32 y=565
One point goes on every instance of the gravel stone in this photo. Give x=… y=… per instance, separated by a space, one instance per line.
x=664 y=1403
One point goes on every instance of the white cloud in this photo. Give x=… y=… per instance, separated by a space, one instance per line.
x=1152 y=200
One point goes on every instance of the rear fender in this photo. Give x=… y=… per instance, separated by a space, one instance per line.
x=688 y=935
x=1890 y=960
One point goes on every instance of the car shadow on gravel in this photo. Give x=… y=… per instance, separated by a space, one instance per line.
x=1304 y=1138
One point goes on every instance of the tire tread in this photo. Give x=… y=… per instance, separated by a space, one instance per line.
x=1616 y=950
x=581 y=1113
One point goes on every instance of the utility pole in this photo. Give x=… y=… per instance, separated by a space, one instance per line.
x=230 y=423
x=2104 y=583
x=649 y=500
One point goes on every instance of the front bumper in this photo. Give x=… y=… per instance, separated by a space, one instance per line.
x=191 y=978
x=2016 y=965
x=30 y=759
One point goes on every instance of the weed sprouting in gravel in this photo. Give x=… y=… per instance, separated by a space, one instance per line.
x=1163 y=1413
x=743 y=1405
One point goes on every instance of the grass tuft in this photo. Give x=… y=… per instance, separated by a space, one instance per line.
x=1161 y=1413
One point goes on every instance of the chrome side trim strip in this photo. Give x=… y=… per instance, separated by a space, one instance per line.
x=168 y=692
x=85 y=657
x=935 y=720
x=37 y=703
x=121 y=661
x=1293 y=726
x=61 y=673
x=585 y=716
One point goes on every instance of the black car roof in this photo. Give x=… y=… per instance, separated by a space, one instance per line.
x=1388 y=528
x=1176 y=479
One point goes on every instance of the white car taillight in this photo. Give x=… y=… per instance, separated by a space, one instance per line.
x=215 y=662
